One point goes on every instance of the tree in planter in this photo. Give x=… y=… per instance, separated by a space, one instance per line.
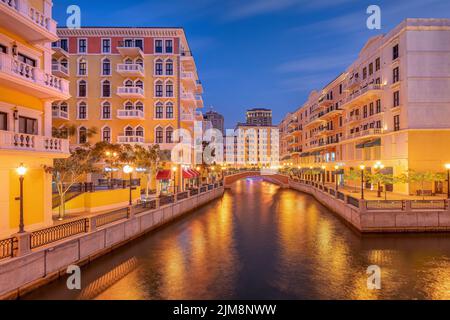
x=353 y=176
x=67 y=172
x=379 y=180
x=148 y=159
x=421 y=178
x=384 y=180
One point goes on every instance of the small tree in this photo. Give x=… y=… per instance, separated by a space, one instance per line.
x=353 y=176
x=377 y=179
x=148 y=159
x=421 y=178
x=67 y=172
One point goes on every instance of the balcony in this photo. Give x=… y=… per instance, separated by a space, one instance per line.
x=59 y=52
x=13 y=141
x=130 y=49
x=331 y=112
x=29 y=23
x=130 y=92
x=199 y=101
x=131 y=114
x=130 y=139
x=130 y=70
x=365 y=134
x=187 y=117
x=21 y=76
x=363 y=95
x=353 y=83
x=324 y=102
x=187 y=96
x=60 y=71
x=198 y=86
x=187 y=61
x=60 y=114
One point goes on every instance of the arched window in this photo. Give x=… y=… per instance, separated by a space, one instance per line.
x=129 y=105
x=169 y=110
x=63 y=106
x=159 y=88
x=140 y=62
x=106 y=89
x=106 y=67
x=159 y=110
x=139 y=84
x=106 y=134
x=169 y=67
x=82 y=67
x=82 y=110
x=129 y=132
x=55 y=106
x=82 y=89
x=82 y=135
x=139 y=106
x=106 y=110
x=139 y=131
x=128 y=83
x=159 y=67
x=169 y=89
x=65 y=63
x=169 y=135
x=128 y=61
x=159 y=135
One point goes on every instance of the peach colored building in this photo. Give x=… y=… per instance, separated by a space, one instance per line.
x=392 y=105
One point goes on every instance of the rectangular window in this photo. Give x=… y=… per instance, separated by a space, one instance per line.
x=3 y=49
x=396 y=99
x=378 y=108
x=158 y=46
x=169 y=90
x=64 y=44
x=159 y=136
x=370 y=69
x=365 y=111
x=158 y=69
x=159 y=90
x=169 y=136
x=371 y=109
x=107 y=135
x=82 y=45
x=169 y=46
x=3 y=121
x=106 y=68
x=397 y=123
x=365 y=73
x=82 y=112
x=396 y=75
x=106 y=112
x=106 y=45
x=395 y=52
x=377 y=64
x=169 y=69
x=340 y=88
x=28 y=125
x=139 y=43
x=27 y=60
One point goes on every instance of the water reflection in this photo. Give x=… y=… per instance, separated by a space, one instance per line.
x=263 y=242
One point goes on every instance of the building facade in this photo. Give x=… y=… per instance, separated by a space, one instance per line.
x=259 y=117
x=216 y=119
x=391 y=105
x=27 y=90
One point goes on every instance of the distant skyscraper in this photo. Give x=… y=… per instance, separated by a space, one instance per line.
x=216 y=119
x=259 y=117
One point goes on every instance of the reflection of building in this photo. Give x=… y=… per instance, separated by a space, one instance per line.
x=27 y=89
x=255 y=144
x=216 y=119
x=391 y=105
x=259 y=117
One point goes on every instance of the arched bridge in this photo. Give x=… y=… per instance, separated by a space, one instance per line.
x=276 y=178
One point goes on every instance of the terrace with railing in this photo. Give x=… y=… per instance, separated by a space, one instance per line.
x=27 y=142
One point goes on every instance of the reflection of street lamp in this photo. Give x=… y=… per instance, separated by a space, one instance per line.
x=174 y=170
x=323 y=174
x=362 y=167
x=129 y=170
x=447 y=166
x=379 y=166
x=336 y=168
x=21 y=171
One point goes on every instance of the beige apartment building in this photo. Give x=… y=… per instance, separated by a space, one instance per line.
x=392 y=105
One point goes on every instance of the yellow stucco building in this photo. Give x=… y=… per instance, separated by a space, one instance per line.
x=27 y=90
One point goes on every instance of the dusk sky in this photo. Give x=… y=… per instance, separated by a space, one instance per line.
x=260 y=53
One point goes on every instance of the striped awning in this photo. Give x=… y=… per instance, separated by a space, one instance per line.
x=163 y=175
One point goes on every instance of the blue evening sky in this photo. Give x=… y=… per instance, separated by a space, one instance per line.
x=260 y=53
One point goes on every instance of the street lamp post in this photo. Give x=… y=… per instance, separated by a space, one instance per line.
x=174 y=170
x=447 y=166
x=21 y=171
x=362 y=167
x=129 y=170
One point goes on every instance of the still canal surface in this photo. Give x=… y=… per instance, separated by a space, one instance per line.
x=263 y=242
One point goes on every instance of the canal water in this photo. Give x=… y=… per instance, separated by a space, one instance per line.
x=263 y=242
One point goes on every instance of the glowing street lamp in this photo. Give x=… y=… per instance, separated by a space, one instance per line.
x=21 y=172
x=362 y=167
x=129 y=170
x=174 y=170
x=447 y=166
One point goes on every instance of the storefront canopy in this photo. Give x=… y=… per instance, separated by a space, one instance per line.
x=163 y=175
x=190 y=174
x=369 y=144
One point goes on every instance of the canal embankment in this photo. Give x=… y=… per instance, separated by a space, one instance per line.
x=44 y=255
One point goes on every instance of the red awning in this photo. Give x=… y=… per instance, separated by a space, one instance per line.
x=187 y=174
x=163 y=175
x=195 y=173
